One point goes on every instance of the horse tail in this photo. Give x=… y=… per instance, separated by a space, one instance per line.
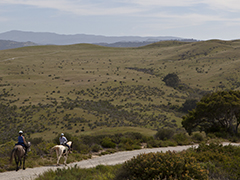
x=12 y=154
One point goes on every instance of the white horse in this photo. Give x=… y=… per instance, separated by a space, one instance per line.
x=62 y=151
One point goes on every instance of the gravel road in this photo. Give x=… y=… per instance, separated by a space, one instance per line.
x=110 y=159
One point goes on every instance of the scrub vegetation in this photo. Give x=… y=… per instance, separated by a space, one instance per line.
x=212 y=161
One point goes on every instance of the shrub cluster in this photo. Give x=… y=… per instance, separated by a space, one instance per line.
x=223 y=162
x=173 y=137
x=100 y=172
x=169 y=165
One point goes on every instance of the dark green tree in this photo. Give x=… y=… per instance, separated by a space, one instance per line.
x=216 y=112
x=189 y=105
x=171 y=80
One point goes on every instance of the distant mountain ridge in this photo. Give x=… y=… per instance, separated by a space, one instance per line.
x=137 y=43
x=7 y=44
x=44 y=38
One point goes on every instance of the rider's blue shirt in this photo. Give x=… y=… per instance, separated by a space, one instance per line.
x=20 y=141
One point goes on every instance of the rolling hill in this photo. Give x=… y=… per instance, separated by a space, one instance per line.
x=91 y=89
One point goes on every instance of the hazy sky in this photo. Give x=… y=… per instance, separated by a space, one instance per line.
x=198 y=19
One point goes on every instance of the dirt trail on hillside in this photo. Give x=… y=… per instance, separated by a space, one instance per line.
x=110 y=159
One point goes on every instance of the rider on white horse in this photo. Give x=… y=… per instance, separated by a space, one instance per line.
x=63 y=141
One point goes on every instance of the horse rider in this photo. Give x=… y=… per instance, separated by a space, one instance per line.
x=63 y=141
x=22 y=141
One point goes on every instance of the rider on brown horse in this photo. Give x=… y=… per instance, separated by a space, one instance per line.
x=22 y=141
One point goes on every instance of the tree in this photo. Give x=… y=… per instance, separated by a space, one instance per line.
x=171 y=80
x=189 y=105
x=216 y=112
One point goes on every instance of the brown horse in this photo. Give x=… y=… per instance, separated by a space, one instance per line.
x=18 y=153
x=62 y=151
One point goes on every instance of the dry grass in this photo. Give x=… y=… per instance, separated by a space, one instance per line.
x=43 y=74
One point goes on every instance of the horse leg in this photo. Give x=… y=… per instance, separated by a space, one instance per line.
x=65 y=160
x=16 y=161
x=24 y=163
x=58 y=159
x=20 y=160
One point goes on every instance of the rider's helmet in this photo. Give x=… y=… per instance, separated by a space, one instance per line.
x=62 y=134
x=20 y=132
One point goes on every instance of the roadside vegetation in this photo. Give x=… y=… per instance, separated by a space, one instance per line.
x=212 y=161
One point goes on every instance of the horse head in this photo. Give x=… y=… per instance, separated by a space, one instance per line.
x=70 y=145
x=28 y=146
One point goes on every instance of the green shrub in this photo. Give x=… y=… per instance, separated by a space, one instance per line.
x=135 y=136
x=153 y=143
x=168 y=143
x=107 y=143
x=35 y=141
x=164 y=134
x=96 y=148
x=197 y=137
x=222 y=162
x=171 y=80
x=100 y=172
x=222 y=134
x=126 y=146
x=189 y=105
x=83 y=148
x=42 y=149
x=234 y=139
x=169 y=165
x=211 y=135
x=181 y=139
x=125 y=140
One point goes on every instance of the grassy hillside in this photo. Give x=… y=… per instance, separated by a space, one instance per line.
x=90 y=89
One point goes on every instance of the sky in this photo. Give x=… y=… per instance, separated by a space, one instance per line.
x=197 y=19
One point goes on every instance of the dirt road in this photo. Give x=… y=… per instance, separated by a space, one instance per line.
x=110 y=159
